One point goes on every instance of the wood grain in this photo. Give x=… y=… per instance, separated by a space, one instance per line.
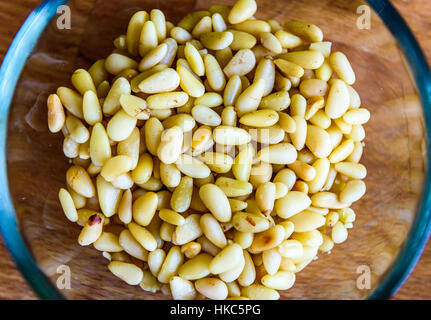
x=417 y=14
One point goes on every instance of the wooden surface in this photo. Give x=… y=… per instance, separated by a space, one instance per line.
x=12 y=14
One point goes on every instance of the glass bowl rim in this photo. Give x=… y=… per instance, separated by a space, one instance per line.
x=23 y=44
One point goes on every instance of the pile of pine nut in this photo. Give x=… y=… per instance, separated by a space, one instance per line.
x=212 y=159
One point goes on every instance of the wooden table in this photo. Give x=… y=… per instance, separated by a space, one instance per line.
x=12 y=14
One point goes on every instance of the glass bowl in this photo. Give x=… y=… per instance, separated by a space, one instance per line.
x=393 y=79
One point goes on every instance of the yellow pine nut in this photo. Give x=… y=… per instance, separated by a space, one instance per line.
x=321 y=167
x=237 y=205
x=298 y=105
x=191 y=249
x=341 y=152
x=217 y=162
x=91 y=108
x=125 y=207
x=182 y=120
x=357 y=116
x=77 y=130
x=265 y=70
x=134 y=31
x=356 y=154
x=71 y=100
x=353 y=191
x=212 y=230
x=242 y=40
x=339 y=233
x=285 y=176
x=78 y=200
x=187 y=232
x=228 y=135
x=202 y=27
x=209 y=99
x=228 y=117
x=128 y=272
x=313 y=88
x=287 y=265
x=194 y=59
x=153 y=133
x=282 y=153
x=234 y=188
x=327 y=244
x=98 y=73
x=242 y=10
x=108 y=242
x=132 y=246
x=170 y=175
x=206 y=116
x=91 y=230
x=312 y=238
x=170 y=145
x=250 y=222
x=56 y=117
x=260 y=118
x=182 y=195
x=108 y=195
x=233 y=274
x=260 y=292
x=271 y=42
x=182 y=289
x=244 y=239
x=307 y=59
x=282 y=280
x=288 y=68
x=304 y=30
x=277 y=101
x=232 y=91
x=196 y=268
x=271 y=260
x=144 y=208
x=299 y=137
x=130 y=147
x=134 y=106
x=357 y=133
x=162 y=81
x=291 y=249
x=347 y=215
x=168 y=59
x=318 y=141
x=171 y=217
x=253 y=26
x=148 y=38
x=351 y=169
x=116 y=63
x=250 y=98
x=212 y=288
x=302 y=170
x=70 y=147
x=241 y=167
x=159 y=21
x=218 y=22
x=68 y=205
x=166 y=231
x=234 y=292
x=287 y=39
x=343 y=128
x=327 y=200
x=342 y=67
x=82 y=81
x=216 y=40
x=226 y=259
x=120 y=126
x=192 y=167
x=214 y=73
x=144 y=169
x=265 y=197
x=331 y=219
x=153 y=57
x=280 y=190
x=300 y=186
x=308 y=255
x=149 y=282
x=79 y=180
x=201 y=139
x=314 y=104
x=111 y=104
x=288 y=228
x=306 y=156
x=123 y=181
x=291 y=204
x=321 y=119
x=338 y=100
x=324 y=72
x=355 y=99
x=216 y=201
x=143 y=236
x=115 y=167
x=167 y=100
x=174 y=259
x=323 y=46
x=260 y=174
x=268 y=239
x=269 y=135
x=241 y=63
